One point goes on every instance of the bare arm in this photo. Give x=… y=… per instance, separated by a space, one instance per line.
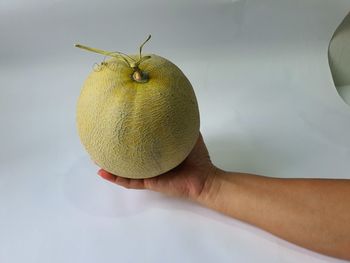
x=313 y=213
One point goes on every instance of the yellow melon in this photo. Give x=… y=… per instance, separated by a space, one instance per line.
x=137 y=116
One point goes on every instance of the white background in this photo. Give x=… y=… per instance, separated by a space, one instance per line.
x=267 y=102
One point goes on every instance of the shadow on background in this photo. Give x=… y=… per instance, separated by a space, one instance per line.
x=238 y=153
x=92 y=195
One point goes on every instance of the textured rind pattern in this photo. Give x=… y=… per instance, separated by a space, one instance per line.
x=138 y=130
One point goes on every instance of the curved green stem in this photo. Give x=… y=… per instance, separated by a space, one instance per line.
x=140 y=50
x=114 y=54
x=138 y=75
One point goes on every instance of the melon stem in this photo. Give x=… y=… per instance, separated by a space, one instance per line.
x=138 y=75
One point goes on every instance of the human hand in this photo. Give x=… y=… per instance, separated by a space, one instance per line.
x=187 y=180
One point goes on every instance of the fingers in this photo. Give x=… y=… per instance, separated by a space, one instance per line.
x=106 y=175
x=124 y=182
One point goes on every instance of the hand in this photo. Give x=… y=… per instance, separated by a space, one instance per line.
x=187 y=180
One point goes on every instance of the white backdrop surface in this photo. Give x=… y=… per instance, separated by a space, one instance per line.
x=267 y=101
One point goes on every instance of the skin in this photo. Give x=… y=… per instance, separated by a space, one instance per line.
x=312 y=213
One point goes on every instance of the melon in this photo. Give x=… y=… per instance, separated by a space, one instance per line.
x=137 y=115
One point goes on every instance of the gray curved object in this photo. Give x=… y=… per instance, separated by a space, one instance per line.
x=339 y=58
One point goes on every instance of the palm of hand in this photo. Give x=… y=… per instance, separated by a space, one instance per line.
x=186 y=180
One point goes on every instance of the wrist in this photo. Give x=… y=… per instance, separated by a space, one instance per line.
x=211 y=187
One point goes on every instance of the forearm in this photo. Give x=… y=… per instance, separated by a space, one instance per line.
x=313 y=213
